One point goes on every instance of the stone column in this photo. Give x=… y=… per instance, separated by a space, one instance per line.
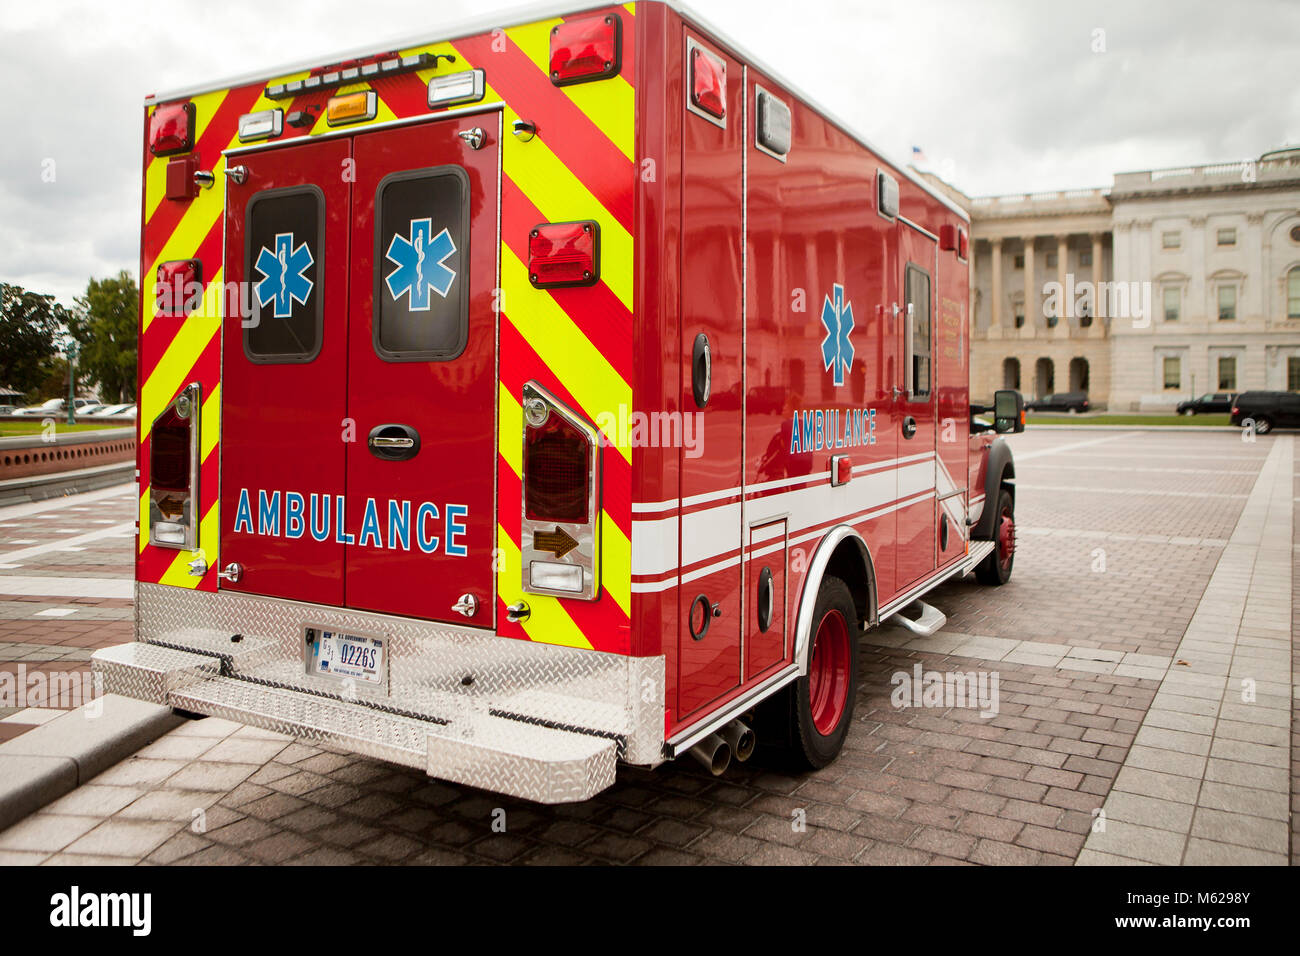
x=1033 y=302
x=995 y=306
x=1098 y=327
x=1063 y=312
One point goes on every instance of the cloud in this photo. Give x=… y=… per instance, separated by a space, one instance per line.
x=1002 y=96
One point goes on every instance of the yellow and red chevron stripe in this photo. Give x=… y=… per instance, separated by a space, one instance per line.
x=576 y=342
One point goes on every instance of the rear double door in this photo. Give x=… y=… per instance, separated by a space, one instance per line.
x=358 y=431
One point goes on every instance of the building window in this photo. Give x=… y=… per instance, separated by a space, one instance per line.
x=1227 y=373
x=1293 y=373
x=1019 y=262
x=1227 y=302
x=1051 y=321
x=1173 y=372
x=1293 y=293
x=1226 y=237
x=1020 y=318
x=1173 y=303
x=1171 y=240
x=1295 y=233
x=1051 y=259
x=1085 y=257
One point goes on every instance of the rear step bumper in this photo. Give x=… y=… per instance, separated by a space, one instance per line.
x=539 y=722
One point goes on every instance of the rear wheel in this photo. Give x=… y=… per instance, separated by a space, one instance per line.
x=1188 y=411
x=996 y=568
x=817 y=709
x=1263 y=425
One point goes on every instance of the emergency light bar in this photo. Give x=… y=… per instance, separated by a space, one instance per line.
x=331 y=78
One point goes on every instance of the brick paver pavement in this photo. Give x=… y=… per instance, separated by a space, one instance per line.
x=921 y=784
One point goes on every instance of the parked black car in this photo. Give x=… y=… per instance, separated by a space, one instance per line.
x=1060 y=402
x=1267 y=410
x=1210 y=402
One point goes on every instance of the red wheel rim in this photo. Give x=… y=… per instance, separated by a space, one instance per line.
x=1006 y=538
x=828 y=674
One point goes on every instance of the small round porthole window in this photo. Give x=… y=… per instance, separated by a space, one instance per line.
x=1295 y=234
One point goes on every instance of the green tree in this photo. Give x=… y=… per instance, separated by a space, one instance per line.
x=105 y=325
x=29 y=325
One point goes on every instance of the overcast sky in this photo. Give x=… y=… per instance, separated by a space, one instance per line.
x=1001 y=95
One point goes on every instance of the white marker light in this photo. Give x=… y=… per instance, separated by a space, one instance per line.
x=550 y=576
x=264 y=124
x=169 y=532
x=466 y=87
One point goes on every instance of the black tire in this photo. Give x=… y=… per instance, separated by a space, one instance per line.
x=1263 y=425
x=995 y=570
x=787 y=726
x=1188 y=411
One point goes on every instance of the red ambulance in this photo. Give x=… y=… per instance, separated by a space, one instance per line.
x=541 y=396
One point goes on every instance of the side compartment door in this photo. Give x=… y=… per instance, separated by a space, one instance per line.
x=284 y=362
x=712 y=347
x=917 y=432
x=421 y=382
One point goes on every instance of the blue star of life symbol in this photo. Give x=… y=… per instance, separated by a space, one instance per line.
x=837 y=349
x=421 y=265
x=284 y=270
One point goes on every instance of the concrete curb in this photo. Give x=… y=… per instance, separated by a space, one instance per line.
x=40 y=487
x=50 y=760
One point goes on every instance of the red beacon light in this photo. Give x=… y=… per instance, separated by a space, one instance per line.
x=564 y=254
x=171 y=129
x=586 y=48
x=708 y=83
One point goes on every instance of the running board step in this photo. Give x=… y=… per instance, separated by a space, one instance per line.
x=471 y=747
x=927 y=622
x=979 y=550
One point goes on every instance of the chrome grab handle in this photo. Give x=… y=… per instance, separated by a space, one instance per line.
x=467 y=605
x=234 y=571
x=388 y=441
x=475 y=137
x=518 y=612
x=237 y=174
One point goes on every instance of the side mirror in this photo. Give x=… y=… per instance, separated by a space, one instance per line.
x=1008 y=411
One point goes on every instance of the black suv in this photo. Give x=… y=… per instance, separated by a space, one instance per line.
x=1267 y=410
x=1060 y=402
x=1210 y=402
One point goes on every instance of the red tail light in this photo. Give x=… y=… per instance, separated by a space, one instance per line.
x=564 y=254
x=179 y=288
x=171 y=129
x=169 y=458
x=587 y=48
x=557 y=478
x=174 y=472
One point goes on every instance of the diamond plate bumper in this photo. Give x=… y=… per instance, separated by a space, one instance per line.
x=541 y=722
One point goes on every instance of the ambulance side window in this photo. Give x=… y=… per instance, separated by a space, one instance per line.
x=918 y=298
x=421 y=291
x=284 y=261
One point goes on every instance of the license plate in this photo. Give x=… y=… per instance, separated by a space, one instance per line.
x=359 y=659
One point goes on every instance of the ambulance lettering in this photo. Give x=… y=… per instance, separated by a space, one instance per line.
x=829 y=428
x=387 y=525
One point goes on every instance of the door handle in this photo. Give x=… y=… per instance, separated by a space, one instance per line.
x=474 y=136
x=909 y=426
x=394 y=442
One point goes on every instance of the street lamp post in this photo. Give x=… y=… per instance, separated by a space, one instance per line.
x=72 y=380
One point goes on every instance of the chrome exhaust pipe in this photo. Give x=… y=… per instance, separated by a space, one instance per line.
x=740 y=739
x=714 y=753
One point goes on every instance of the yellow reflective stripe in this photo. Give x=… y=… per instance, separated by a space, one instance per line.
x=561 y=197
x=144 y=520
x=204 y=212
x=178 y=572
x=609 y=104
x=616 y=562
x=512 y=429
x=177 y=363
x=155 y=174
x=568 y=353
x=210 y=423
x=548 y=622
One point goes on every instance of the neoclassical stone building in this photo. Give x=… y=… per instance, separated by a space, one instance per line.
x=1172 y=283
